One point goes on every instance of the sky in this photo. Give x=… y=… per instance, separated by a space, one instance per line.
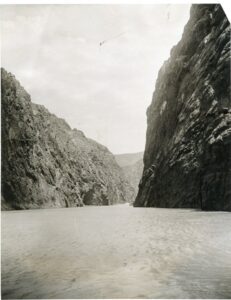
x=93 y=65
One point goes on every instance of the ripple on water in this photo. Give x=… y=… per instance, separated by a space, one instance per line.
x=116 y=252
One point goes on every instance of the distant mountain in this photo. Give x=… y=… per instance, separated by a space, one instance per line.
x=47 y=164
x=132 y=166
x=128 y=159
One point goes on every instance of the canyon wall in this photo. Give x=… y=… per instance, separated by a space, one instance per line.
x=47 y=164
x=187 y=155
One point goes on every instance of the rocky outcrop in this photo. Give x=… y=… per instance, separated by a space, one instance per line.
x=187 y=156
x=47 y=164
x=132 y=166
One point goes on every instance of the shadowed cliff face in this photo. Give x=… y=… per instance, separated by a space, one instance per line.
x=47 y=164
x=187 y=154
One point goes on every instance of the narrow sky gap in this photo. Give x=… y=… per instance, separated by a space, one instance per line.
x=102 y=90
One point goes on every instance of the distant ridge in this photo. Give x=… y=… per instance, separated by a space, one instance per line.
x=132 y=166
x=128 y=159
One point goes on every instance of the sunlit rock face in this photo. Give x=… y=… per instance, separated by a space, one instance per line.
x=187 y=156
x=47 y=164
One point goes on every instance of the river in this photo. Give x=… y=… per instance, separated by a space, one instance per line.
x=116 y=252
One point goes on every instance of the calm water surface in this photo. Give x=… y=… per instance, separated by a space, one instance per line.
x=116 y=252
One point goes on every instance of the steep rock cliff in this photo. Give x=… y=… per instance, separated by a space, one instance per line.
x=47 y=164
x=187 y=155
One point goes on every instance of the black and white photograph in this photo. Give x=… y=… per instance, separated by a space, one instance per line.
x=115 y=150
